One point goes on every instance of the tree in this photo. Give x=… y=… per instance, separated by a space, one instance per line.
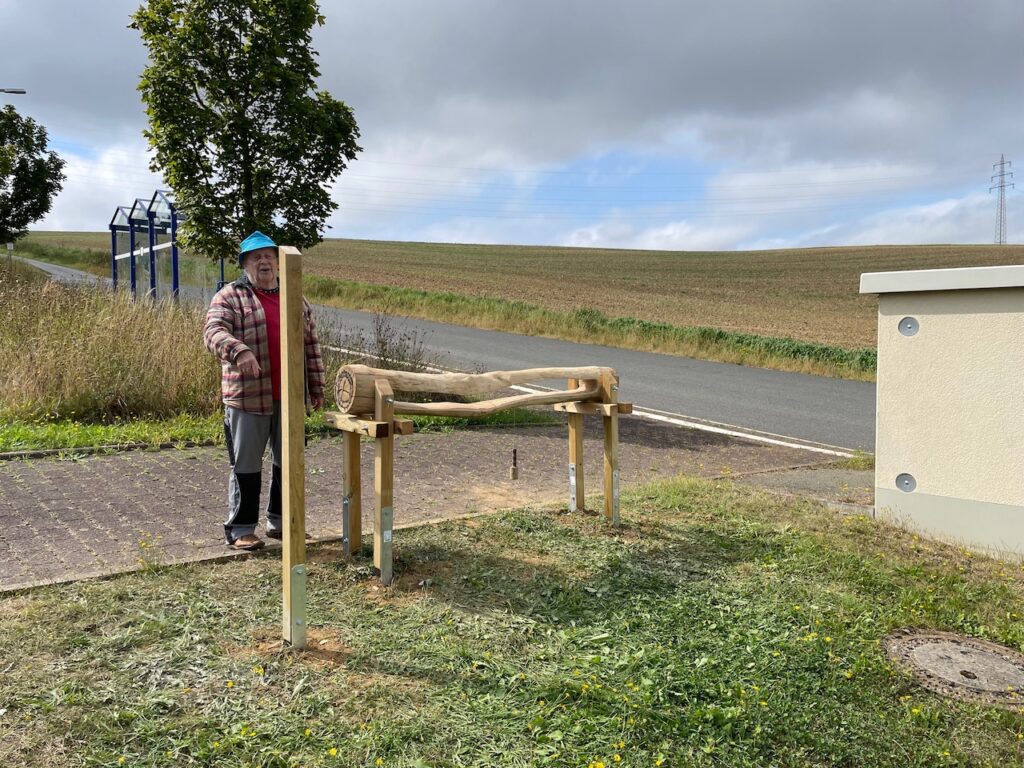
x=30 y=176
x=237 y=124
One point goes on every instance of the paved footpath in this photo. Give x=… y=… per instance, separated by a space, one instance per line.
x=63 y=520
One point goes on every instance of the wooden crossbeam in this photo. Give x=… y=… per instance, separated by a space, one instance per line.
x=602 y=409
x=346 y=422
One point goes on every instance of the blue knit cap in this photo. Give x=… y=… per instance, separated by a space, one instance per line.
x=254 y=242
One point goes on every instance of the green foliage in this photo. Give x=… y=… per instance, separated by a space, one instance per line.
x=239 y=129
x=94 y=262
x=30 y=175
x=860 y=359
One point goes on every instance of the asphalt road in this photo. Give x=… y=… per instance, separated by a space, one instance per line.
x=811 y=408
x=815 y=409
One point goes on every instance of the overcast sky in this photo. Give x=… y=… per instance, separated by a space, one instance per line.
x=643 y=124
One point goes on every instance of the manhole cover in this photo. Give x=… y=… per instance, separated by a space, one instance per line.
x=961 y=667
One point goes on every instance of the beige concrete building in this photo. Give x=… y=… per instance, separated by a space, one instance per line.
x=949 y=451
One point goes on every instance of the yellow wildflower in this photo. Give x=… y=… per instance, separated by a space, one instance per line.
x=333 y=751
x=230 y=683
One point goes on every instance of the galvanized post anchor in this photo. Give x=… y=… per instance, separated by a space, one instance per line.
x=297 y=630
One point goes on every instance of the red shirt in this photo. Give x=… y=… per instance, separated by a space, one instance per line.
x=271 y=303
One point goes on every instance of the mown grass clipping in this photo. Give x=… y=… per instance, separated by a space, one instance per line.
x=717 y=627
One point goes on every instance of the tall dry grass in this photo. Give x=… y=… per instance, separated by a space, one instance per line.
x=84 y=353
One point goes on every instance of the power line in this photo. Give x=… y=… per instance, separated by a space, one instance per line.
x=1002 y=175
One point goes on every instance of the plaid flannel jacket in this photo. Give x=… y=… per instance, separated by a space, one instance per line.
x=236 y=322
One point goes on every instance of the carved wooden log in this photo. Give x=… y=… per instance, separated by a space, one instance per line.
x=354 y=392
x=589 y=389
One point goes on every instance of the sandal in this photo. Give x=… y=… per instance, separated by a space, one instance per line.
x=248 y=543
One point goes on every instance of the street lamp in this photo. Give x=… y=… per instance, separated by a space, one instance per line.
x=12 y=90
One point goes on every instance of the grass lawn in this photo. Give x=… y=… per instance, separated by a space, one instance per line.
x=69 y=435
x=717 y=627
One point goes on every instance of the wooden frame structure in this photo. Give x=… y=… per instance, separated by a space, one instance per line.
x=368 y=408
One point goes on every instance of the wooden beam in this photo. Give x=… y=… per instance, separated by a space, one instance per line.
x=348 y=423
x=610 y=395
x=353 y=388
x=384 y=476
x=293 y=459
x=351 y=500
x=486 y=407
x=404 y=426
x=577 y=494
x=604 y=409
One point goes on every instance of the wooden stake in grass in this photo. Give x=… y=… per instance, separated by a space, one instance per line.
x=577 y=497
x=293 y=459
x=609 y=395
x=384 y=478
x=352 y=503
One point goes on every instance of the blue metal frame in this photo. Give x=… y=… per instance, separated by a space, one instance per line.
x=160 y=215
x=161 y=200
x=115 y=226
x=113 y=256
x=138 y=215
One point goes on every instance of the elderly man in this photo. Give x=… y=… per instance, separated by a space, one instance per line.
x=243 y=329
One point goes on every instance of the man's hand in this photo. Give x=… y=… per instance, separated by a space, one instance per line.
x=317 y=401
x=246 y=363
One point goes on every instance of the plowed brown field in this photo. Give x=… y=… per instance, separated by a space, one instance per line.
x=810 y=294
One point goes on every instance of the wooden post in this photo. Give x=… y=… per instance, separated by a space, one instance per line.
x=610 y=394
x=577 y=498
x=351 y=504
x=293 y=460
x=384 y=475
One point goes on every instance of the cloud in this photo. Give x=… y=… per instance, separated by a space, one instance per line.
x=970 y=219
x=96 y=186
x=795 y=106
x=675 y=236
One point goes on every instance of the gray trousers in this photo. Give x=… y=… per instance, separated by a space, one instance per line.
x=247 y=435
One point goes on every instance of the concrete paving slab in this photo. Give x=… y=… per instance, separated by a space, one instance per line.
x=66 y=519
